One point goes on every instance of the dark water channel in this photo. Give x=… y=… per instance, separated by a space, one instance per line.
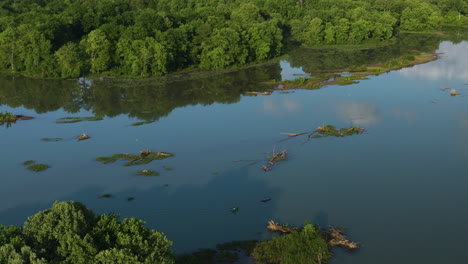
x=401 y=188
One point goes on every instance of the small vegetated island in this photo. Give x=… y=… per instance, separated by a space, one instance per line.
x=67 y=39
x=68 y=232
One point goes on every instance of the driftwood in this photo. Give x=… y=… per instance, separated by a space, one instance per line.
x=259 y=93
x=265 y=200
x=266 y=168
x=162 y=154
x=275 y=227
x=335 y=238
x=453 y=92
x=293 y=134
x=83 y=137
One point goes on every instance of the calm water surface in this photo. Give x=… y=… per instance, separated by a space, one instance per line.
x=400 y=189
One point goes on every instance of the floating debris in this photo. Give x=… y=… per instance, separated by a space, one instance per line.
x=71 y=119
x=38 y=167
x=234 y=209
x=266 y=168
x=215 y=173
x=145 y=152
x=265 y=200
x=278 y=156
x=105 y=195
x=444 y=89
x=453 y=92
x=335 y=238
x=275 y=227
x=148 y=173
x=83 y=137
x=135 y=159
x=51 y=139
x=167 y=168
x=130 y=199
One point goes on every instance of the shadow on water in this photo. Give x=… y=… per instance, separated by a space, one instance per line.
x=191 y=216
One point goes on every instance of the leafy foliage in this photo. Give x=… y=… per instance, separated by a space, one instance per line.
x=152 y=38
x=299 y=247
x=70 y=233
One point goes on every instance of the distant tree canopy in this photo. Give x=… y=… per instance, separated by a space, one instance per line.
x=70 y=233
x=142 y=38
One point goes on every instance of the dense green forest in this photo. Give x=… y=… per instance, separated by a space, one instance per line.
x=142 y=38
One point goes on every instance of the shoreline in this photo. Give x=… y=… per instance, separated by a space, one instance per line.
x=351 y=75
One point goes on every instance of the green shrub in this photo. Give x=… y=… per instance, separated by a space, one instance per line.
x=299 y=247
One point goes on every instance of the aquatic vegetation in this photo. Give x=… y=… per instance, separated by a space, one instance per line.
x=135 y=159
x=142 y=123
x=71 y=119
x=245 y=245
x=278 y=156
x=130 y=199
x=215 y=173
x=329 y=130
x=51 y=139
x=148 y=173
x=28 y=162
x=226 y=256
x=168 y=168
x=38 y=167
x=105 y=195
x=7 y=117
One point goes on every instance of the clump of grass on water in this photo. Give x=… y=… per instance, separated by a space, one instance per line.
x=7 y=117
x=148 y=173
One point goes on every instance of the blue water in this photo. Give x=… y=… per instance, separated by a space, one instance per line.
x=400 y=189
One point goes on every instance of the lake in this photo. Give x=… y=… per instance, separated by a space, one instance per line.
x=400 y=188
